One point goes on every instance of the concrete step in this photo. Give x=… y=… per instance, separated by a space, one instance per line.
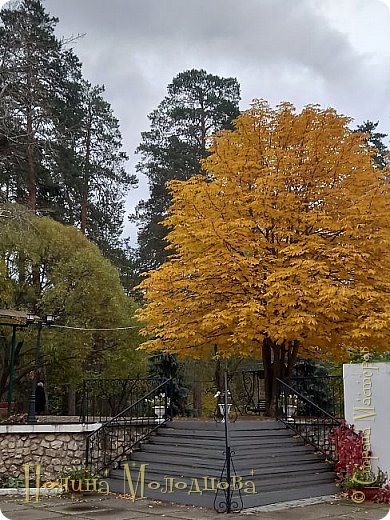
x=269 y=467
x=199 y=439
x=217 y=449
x=297 y=475
x=153 y=472
x=242 y=461
x=219 y=431
x=264 y=482
x=197 y=445
x=252 y=494
x=267 y=456
x=213 y=425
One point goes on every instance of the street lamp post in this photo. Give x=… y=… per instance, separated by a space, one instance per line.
x=11 y=370
x=31 y=417
x=227 y=504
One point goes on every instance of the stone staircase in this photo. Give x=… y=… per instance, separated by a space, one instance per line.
x=183 y=461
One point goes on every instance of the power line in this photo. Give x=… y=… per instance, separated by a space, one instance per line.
x=92 y=330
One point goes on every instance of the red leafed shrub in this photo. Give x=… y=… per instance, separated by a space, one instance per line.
x=383 y=495
x=349 y=448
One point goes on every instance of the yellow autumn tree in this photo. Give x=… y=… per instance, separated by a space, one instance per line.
x=281 y=248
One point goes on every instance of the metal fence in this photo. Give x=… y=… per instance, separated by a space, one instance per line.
x=117 y=437
x=102 y=399
x=248 y=398
x=327 y=392
x=306 y=418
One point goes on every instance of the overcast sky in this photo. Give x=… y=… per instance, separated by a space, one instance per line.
x=332 y=52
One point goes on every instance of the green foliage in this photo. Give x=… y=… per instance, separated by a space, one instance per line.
x=363 y=477
x=79 y=286
x=60 y=154
x=310 y=378
x=95 y=179
x=11 y=483
x=357 y=356
x=30 y=112
x=60 y=147
x=166 y=366
x=208 y=402
x=78 y=473
x=197 y=105
x=375 y=140
x=126 y=260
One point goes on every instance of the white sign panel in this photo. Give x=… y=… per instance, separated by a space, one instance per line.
x=367 y=406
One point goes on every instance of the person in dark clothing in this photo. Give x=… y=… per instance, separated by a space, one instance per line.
x=40 y=398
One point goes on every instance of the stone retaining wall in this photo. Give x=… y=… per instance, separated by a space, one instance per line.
x=54 y=447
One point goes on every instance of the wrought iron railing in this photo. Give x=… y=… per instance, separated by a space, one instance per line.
x=248 y=387
x=327 y=392
x=247 y=391
x=306 y=418
x=119 y=436
x=103 y=399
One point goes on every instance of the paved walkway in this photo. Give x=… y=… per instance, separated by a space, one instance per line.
x=117 y=508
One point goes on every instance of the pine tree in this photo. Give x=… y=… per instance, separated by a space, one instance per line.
x=197 y=105
x=35 y=73
x=375 y=139
x=60 y=143
x=96 y=177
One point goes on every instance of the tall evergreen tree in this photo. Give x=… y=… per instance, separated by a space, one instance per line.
x=60 y=143
x=197 y=105
x=96 y=180
x=375 y=139
x=35 y=74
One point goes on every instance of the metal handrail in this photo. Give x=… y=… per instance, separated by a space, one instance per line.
x=306 y=418
x=103 y=399
x=326 y=391
x=117 y=437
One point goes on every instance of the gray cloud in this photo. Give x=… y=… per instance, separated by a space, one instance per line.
x=278 y=50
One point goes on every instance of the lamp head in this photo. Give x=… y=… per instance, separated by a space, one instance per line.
x=30 y=318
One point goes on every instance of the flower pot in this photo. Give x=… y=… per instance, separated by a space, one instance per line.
x=222 y=409
x=291 y=410
x=160 y=412
x=365 y=493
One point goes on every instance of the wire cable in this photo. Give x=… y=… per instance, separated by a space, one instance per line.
x=93 y=330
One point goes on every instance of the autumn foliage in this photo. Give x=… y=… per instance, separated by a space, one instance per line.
x=283 y=247
x=349 y=449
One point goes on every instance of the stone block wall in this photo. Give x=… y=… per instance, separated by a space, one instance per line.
x=54 y=447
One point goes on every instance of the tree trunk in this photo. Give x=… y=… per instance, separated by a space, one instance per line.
x=278 y=362
x=31 y=177
x=267 y=363
x=219 y=377
x=276 y=374
x=31 y=180
x=85 y=193
x=292 y=357
x=71 y=402
x=197 y=396
x=83 y=219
